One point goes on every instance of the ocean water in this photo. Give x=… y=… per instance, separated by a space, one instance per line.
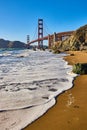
x=29 y=82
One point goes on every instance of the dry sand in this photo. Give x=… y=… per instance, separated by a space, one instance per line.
x=70 y=112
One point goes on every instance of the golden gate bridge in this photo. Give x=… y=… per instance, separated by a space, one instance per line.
x=52 y=38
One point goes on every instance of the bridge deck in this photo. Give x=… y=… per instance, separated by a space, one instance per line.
x=60 y=34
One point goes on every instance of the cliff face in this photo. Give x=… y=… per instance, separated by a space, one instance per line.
x=11 y=44
x=78 y=41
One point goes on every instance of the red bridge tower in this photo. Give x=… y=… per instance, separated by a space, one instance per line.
x=40 y=33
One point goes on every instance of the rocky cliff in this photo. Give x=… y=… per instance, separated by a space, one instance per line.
x=78 y=41
x=11 y=44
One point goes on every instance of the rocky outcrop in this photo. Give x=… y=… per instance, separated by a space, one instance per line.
x=11 y=44
x=78 y=41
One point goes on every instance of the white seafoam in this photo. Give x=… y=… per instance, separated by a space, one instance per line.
x=29 y=83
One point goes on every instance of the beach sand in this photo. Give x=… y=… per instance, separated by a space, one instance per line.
x=70 y=111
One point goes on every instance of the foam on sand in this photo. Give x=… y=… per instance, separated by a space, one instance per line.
x=29 y=83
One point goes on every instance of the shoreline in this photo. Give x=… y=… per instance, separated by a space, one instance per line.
x=55 y=98
x=63 y=106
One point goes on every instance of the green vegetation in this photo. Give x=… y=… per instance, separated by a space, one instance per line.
x=80 y=68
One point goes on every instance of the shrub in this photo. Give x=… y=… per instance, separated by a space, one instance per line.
x=80 y=68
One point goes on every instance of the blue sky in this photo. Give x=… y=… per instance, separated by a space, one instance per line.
x=18 y=18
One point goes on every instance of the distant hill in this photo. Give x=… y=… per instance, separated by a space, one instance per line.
x=11 y=44
x=78 y=41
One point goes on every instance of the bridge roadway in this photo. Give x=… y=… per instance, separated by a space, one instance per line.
x=53 y=38
x=40 y=39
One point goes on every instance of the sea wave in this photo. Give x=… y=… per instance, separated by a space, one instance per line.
x=29 y=83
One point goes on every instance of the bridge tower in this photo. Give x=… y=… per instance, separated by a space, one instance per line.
x=28 y=39
x=40 y=32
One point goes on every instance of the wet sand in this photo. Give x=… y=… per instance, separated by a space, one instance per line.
x=70 y=111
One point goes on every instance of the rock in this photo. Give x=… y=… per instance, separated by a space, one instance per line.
x=56 y=51
x=72 y=54
x=77 y=41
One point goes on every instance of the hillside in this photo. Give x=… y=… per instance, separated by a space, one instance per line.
x=11 y=44
x=78 y=41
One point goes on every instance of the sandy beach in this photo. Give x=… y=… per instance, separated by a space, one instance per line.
x=70 y=111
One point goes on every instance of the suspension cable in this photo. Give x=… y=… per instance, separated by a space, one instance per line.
x=47 y=30
x=35 y=34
